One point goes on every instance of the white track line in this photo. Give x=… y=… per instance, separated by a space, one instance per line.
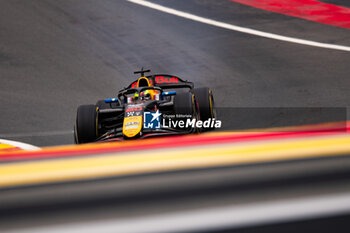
x=238 y=28
x=21 y=145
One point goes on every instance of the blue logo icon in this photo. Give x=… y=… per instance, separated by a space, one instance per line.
x=151 y=120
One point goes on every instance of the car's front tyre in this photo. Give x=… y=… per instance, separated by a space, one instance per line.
x=85 y=129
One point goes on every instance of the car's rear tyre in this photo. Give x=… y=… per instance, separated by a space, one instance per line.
x=86 y=124
x=186 y=107
x=205 y=100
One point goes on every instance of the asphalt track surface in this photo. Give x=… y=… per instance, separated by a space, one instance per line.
x=57 y=55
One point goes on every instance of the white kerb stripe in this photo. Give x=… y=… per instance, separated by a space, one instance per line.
x=238 y=28
x=20 y=145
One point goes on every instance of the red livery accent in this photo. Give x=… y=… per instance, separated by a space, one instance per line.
x=162 y=79
x=136 y=109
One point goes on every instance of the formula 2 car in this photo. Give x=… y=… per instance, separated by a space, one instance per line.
x=153 y=105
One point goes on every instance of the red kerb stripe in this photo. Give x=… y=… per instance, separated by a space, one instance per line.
x=306 y=9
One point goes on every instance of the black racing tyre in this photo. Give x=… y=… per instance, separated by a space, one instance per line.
x=86 y=124
x=185 y=105
x=205 y=100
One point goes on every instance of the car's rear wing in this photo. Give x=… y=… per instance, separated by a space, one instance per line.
x=165 y=81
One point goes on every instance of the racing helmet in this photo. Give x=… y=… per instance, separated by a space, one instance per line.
x=148 y=94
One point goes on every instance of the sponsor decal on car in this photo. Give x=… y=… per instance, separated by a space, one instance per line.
x=134 y=110
x=132 y=125
x=162 y=79
x=159 y=80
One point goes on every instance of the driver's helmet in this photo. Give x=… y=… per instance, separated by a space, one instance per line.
x=147 y=94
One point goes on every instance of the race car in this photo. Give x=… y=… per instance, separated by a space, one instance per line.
x=153 y=105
